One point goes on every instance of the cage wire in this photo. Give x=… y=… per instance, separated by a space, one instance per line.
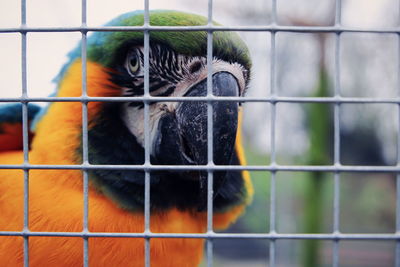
x=335 y=236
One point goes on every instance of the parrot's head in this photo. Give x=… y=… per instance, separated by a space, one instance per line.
x=177 y=130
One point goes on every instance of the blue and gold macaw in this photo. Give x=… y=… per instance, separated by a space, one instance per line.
x=177 y=135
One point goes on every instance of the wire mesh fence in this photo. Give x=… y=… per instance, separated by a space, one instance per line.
x=336 y=236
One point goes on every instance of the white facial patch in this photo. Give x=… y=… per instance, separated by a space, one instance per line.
x=134 y=120
x=217 y=66
x=133 y=116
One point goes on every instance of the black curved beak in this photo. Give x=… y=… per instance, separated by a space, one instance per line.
x=182 y=136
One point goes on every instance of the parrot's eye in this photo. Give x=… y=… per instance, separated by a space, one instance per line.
x=132 y=63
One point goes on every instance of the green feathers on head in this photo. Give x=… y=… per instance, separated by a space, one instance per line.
x=103 y=46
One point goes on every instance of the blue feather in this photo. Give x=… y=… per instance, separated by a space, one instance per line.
x=12 y=113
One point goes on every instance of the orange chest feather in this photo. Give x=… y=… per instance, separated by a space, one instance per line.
x=56 y=209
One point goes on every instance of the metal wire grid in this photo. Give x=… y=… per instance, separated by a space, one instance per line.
x=336 y=236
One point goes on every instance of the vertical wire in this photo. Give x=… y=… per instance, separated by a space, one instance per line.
x=146 y=135
x=210 y=141
x=272 y=223
x=274 y=13
x=397 y=257
x=336 y=190
x=25 y=137
x=85 y=138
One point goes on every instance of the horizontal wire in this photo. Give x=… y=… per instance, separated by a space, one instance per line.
x=273 y=168
x=212 y=235
x=275 y=99
x=212 y=28
x=210 y=167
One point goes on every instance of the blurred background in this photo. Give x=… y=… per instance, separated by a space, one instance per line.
x=369 y=66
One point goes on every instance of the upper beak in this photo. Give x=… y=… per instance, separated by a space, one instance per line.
x=183 y=137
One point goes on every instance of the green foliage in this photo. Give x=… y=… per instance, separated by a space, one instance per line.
x=368 y=202
x=261 y=183
x=320 y=126
x=320 y=129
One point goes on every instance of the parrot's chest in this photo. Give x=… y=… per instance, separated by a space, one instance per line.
x=54 y=210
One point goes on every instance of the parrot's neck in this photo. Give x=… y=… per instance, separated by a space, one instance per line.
x=58 y=133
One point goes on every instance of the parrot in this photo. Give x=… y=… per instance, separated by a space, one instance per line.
x=115 y=136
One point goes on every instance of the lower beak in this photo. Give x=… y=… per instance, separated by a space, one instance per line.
x=183 y=136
